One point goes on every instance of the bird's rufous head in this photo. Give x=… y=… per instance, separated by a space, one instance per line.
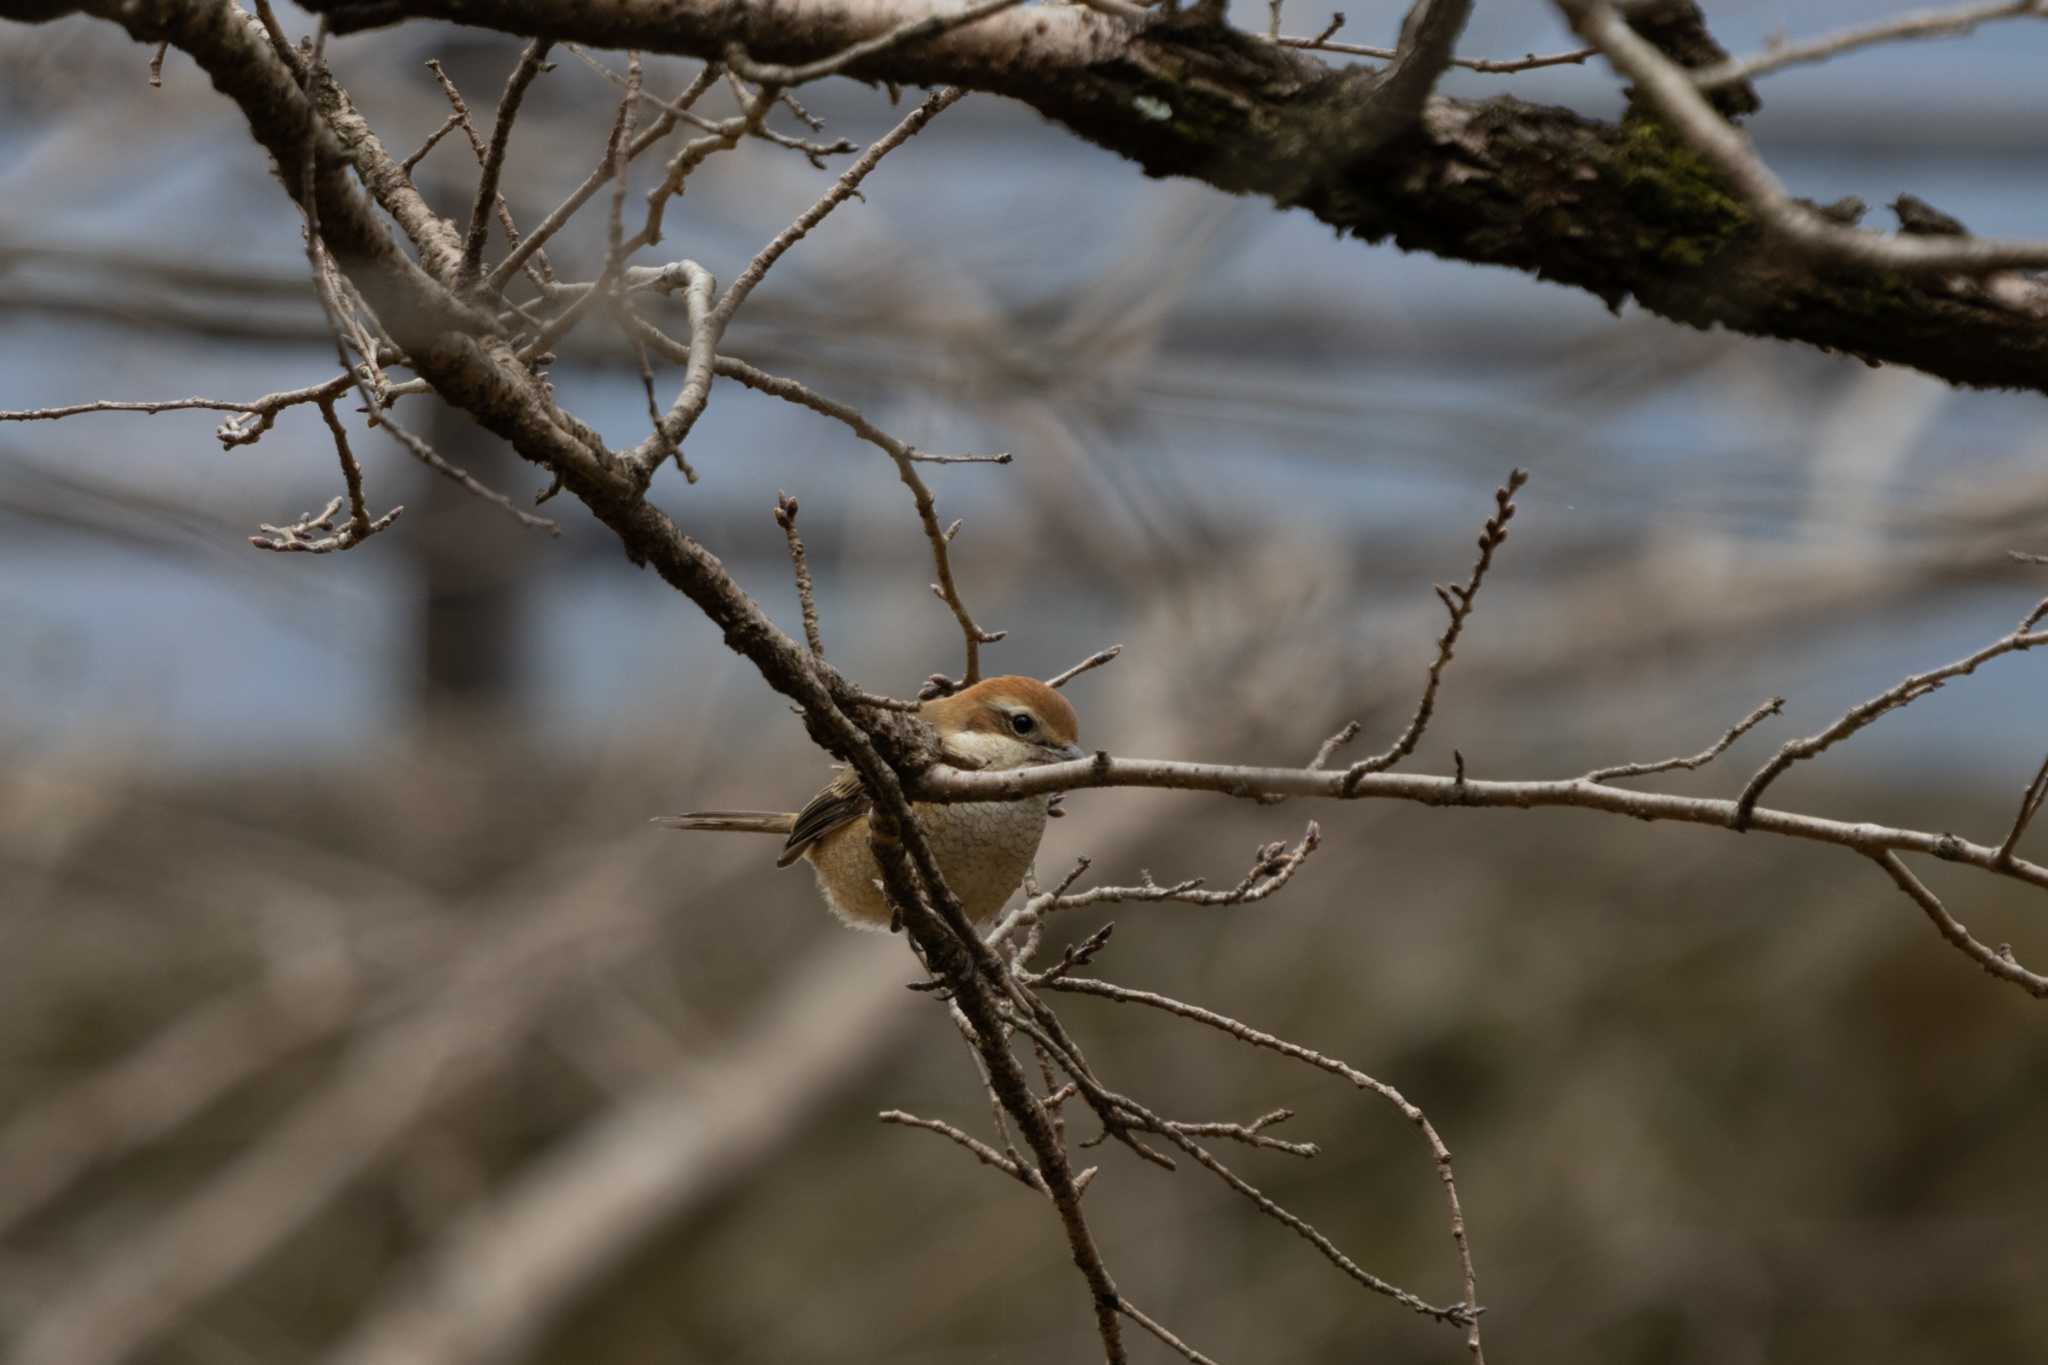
x=1009 y=722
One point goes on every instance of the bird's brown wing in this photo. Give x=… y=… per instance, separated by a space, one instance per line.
x=839 y=804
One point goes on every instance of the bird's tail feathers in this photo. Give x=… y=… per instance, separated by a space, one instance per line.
x=742 y=821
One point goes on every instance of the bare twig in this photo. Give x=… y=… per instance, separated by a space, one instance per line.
x=1133 y=1114
x=673 y=427
x=1329 y=747
x=1492 y=66
x=813 y=152
x=1903 y=693
x=448 y=125
x=1439 y=1153
x=785 y=517
x=433 y=460
x=1172 y=1342
x=1670 y=88
x=2030 y=806
x=1926 y=23
x=906 y=470
x=1095 y=660
x=1774 y=706
x=1458 y=601
x=300 y=535
x=465 y=273
x=488 y=200
x=1251 y=1134
x=1009 y=1165
x=1999 y=963
x=914 y=31
x=843 y=189
x=1273 y=866
x=598 y=178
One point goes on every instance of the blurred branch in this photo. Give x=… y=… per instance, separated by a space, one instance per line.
x=177 y=1073
x=1926 y=23
x=488 y=1290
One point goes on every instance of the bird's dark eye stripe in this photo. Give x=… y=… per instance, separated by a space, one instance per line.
x=1021 y=723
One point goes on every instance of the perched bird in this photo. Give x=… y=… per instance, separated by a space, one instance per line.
x=984 y=848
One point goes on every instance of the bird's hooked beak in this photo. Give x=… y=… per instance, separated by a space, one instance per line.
x=1062 y=752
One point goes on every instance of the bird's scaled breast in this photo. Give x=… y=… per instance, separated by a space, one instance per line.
x=983 y=848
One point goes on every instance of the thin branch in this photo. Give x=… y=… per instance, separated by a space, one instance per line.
x=1492 y=66
x=672 y=428
x=1273 y=866
x=1775 y=706
x=1999 y=963
x=1670 y=89
x=1095 y=660
x=988 y=1156
x=1251 y=1134
x=785 y=517
x=723 y=137
x=310 y=534
x=843 y=189
x=942 y=783
x=598 y=178
x=926 y=457
x=1329 y=747
x=1926 y=23
x=1439 y=1153
x=2030 y=806
x=813 y=152
x=1174 y=1343
x=1901 y=694
x=488 y=200
x=1458 y=601
x=464 y=275
x=433 y=460
x=906 y=470
x=448 y=125
x=916 y=30
x=1136 y=1115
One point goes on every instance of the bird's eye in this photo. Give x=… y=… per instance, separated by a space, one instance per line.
x=1022 y=723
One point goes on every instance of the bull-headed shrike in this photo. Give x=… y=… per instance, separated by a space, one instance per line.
x=984 y=848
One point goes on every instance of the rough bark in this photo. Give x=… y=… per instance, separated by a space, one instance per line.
x=1620 y=209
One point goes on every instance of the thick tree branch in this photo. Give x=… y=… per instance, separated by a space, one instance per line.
x=1624 y=210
